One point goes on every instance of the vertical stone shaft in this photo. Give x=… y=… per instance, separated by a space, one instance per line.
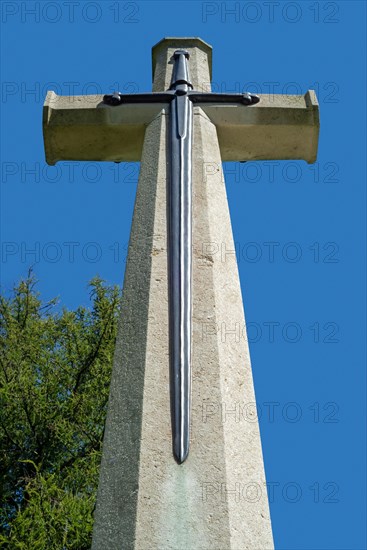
x=217 y=498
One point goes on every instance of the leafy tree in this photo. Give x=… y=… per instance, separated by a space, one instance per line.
x=55 y=370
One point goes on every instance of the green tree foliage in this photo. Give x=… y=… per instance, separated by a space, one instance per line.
x=55 y=369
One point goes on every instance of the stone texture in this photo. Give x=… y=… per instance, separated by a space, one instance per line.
x=217 y=499
x=279 y=127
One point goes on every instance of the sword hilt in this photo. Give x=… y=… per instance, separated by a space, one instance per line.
x=180 y=75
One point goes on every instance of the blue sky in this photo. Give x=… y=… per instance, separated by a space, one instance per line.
x=299 y=228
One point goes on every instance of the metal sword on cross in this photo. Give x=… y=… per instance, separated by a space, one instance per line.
x=180 y=97
x=261 y=127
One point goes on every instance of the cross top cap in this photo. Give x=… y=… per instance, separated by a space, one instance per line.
x=181 y=43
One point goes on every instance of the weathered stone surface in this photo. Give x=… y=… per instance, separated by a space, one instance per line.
x=215 y=500
x=84 y=128
x=278 y=127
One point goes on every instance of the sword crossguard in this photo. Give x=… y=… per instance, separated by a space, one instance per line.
x=180 y=88
x=180 y=85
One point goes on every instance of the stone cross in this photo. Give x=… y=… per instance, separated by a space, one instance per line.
x=180 y=303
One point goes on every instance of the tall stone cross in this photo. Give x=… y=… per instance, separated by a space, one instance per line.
x=182 y=370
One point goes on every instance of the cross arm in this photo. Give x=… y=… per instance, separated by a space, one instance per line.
x=86 y=128
x=279 y=127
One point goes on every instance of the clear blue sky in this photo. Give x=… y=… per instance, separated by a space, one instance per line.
x=299 y=228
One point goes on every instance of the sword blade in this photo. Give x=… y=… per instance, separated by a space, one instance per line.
x=180 y=271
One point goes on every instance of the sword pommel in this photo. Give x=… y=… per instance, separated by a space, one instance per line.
x=181 y=52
